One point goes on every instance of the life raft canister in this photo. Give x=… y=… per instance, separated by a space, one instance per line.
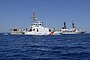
x=52 y=33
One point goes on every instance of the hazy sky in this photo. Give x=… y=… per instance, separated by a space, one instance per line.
x=17 y=13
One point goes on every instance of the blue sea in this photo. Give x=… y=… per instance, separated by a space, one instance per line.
x=59 y=47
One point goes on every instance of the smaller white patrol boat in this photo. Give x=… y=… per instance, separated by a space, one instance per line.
x=73 y=30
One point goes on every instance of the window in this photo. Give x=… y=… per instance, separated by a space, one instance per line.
x=30 y=30
x=33 y=29
x=37 y=30
x=49 y=30
x=14 y=29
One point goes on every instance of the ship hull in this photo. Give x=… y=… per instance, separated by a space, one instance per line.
x=35 y=33
x=72 y=32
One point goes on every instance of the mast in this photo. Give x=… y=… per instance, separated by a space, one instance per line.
x=64 y=25
x=34 y=18
x=73 y=25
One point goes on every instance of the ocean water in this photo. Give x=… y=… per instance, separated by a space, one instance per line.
x=60 y=47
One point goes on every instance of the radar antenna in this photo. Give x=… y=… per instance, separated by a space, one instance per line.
x=34 y=18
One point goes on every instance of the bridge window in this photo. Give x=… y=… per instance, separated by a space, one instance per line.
x=14 y=29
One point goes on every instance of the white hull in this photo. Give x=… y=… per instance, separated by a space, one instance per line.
x=36 y=33
x=72 y=32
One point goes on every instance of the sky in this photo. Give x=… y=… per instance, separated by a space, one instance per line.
x=17 y=13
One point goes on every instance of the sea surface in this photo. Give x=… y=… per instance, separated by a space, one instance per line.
x=59 y=47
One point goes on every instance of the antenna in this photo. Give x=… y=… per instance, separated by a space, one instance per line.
x=73 y=25
x=34 y=18
x=64 y=25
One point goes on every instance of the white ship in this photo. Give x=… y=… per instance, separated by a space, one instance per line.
x=36 y=28
x=73 y=30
